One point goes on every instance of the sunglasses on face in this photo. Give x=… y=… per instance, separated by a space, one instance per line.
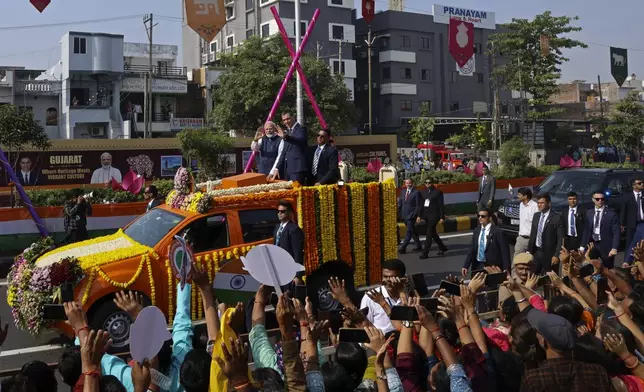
x=598 y=199
x=638 y=182
x=282 y=211
x=483 y=216
x=320 y=135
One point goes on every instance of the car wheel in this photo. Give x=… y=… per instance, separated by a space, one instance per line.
x=117 y=323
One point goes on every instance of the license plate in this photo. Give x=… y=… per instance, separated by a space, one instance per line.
x=514 y=222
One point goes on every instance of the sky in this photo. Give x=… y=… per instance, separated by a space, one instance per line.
x=24 y=41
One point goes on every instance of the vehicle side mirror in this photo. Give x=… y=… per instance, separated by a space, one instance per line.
x=613 y=193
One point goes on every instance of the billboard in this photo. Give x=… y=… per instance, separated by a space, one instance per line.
x=480 y=19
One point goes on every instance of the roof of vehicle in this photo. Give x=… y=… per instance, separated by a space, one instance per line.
x=601 y=169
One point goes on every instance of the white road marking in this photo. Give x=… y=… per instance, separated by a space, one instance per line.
x=4 y=282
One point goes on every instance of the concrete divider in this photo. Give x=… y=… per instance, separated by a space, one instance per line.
x=451 y=224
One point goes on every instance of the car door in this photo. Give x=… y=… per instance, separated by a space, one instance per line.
x=618 y=185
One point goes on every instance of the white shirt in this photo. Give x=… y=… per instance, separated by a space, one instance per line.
x=597 y=229
x=377 y=315
x=281 y=148
x=25 y=176
x=526 y=213
x=255 y=145
x=539 y=240
x=485 y=231
x=103 y=176
x=574 y=212
x=639 y=207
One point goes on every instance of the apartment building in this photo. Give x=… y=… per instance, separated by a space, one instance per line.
x=332 y=39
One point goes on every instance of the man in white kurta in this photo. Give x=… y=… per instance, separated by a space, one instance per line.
x=106 y=172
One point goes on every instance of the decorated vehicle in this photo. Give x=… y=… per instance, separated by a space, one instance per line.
x=353 y=222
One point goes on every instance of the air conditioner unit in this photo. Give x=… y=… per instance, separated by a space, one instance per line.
x=97 y=131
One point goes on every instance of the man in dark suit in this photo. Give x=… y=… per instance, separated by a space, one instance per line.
x=546 y=236
x=151 y=195
x=293 y=155
x=574 y=220
x=631 y=213
x=323 y=161
x=432 y=212
x=489 y=247
x=487 y=189
x=26 y=176
x=602 y=228
x=288 y=234
x=409 y=207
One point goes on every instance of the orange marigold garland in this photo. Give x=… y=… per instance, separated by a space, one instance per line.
x=360 y=244
x=252 y=197
x=342 y=224
x=389 y=217
x=312 y=259
x=170 y=287
x=375 y=252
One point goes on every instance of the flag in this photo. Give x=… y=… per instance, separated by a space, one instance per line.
x=368 y=10
x=40 y=5
x=206 y=17
x=461 y=41
x=510 y=191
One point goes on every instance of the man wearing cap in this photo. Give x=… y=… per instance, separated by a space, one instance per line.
x=559 y=372
x=521 y=266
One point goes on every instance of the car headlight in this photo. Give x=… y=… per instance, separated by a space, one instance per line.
x=502 y=209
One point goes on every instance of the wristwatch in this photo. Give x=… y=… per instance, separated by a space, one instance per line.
x=407 y=324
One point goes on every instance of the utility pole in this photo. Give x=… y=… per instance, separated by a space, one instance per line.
x=148 y=85
x=601 y=98
x=298 y=86
x=340 y=55
x=496 y=132
x=318 y=49
x=369 y=42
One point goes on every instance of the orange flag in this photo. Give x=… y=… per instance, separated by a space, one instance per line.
x=206 y=17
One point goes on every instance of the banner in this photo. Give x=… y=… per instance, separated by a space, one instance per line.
x=40 y=5
x=619 y=64
x=368 y=10
x=461 y=41
x=480 y=19
x=206 y=17
x=469 y=68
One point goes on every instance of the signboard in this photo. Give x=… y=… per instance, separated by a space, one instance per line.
x=40 y=5
x=461 y=41
x=480 y=19
x=177 y=124
x=368 y=10
x=619 y=64
x=469 y=68
x=137 y=85
x=206 y=17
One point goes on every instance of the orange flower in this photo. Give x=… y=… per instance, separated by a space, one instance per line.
x=253 y=197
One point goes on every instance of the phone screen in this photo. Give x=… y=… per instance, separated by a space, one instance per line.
x=300 y=293
x=54 y=312
x=67 y=292
x=493 y=280
x=353 y=335
x=420 y=285
x=586 y=270
x=473 y=273
x=450 y=288
x=403 y=313
x=431 y=304
x=602 y=287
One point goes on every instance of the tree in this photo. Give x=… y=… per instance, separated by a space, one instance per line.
x=208 y=147
x=421 y=127
x=244 y=93
x=515 y=157
x=473 y=134
x=626 y=128
x=18 y=130
x=527 y=68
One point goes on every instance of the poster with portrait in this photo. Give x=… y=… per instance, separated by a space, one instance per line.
x=170 y=164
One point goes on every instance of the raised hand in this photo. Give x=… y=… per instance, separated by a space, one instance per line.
x=200 y=277
x=130 y=302
x=376 y=296
x=532 y=281
x=477 y=282
x=376 y=339
x=615 y=343
x=338 y=290
x=234 y=363
x=75 y=316
x=93 y=347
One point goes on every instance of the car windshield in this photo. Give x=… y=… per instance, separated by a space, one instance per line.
x=152 y=226
x=559 y=183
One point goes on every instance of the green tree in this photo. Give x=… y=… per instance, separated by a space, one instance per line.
x=626 y=128
x=527 y=68
x=245 y=91
x=515 y=158
x=473 y=134
x=421 y=127
x=208 y=147
x=18 y=130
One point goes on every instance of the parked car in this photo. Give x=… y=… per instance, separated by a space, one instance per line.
x=584 y=181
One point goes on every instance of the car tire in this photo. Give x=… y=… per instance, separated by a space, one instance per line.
x=318 y=287
x=105 y=315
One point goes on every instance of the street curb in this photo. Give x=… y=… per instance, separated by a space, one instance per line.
x=450 y=225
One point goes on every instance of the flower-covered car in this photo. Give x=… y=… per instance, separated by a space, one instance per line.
x=355 y=223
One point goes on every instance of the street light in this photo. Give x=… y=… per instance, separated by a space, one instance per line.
x=369 y=41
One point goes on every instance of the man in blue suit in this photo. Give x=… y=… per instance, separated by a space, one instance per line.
x=293 y=155
x=602 y=228
x=409 y=207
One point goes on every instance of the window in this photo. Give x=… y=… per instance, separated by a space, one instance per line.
x=384 y=42
x=425 y=74
x=230 y=41
x=517 y=109
x=336 y=2
x=405 y=105
x=337 y=68
x=338 y=32
x=424 y=43
x=206 y=234
x=249 y=5
x=80 y=45
x=479 y=77
x=151 y=227
x=453 y=77
x=303 y=26
x=230 y=13
x=51 y=118
x=213 y=47
x=250 y=33
x=258 y=225
x=405 y=41
x=477 y=48
x=504 y=108
x=405 y=73
x=265 y=30
x=386 y=73
x=428 y=104
x=454 y=107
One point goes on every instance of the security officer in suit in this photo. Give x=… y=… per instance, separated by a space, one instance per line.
x=487 y=189
x=602 y=228
x=432 y=212
x=409 y=206
x=631 y=213
x=323 y=161
x=546 y=236
x=574 y=220
x=488 y=247
x=288 y=235
x=293 y=155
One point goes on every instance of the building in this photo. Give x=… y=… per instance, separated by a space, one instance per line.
x=332 y=39
x=99 y=83
x=411 y=65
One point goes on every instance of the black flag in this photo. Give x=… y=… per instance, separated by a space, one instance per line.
x=619 y=64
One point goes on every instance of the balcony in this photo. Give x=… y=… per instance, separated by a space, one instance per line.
x=158 y=71
x=38 y=87
x=161 y=122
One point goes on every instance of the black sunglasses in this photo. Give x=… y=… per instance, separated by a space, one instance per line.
x=282 y=211
x=483 y=216
x=598 y=199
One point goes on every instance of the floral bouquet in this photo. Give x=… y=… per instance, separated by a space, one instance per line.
x=31 y=287
x=141 y=164
x=38 y=248
x=182 y=181
x=181 y=198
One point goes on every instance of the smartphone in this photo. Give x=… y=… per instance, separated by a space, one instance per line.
x=67 y=292
x=450 y=288
x=403 y=313
x=364 y=311
x=586 y=270
x=431 y=304
x=420 y=285
x=54 y=312
x=353 y=335
x=274 y=299
x=602 y=287
x=300 y=293
x=544 y=281
x=493 y=280
x=473 y=273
